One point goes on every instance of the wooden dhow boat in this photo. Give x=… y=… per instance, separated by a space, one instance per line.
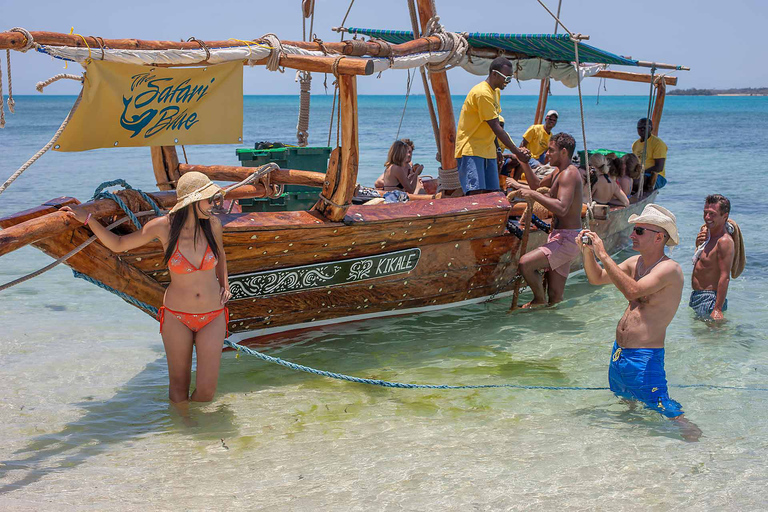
x=336 y=262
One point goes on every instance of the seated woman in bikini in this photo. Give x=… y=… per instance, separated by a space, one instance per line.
x=632 y=171
x=605 y=190
x=618 y=173
x=399 y=173
x=193 y=312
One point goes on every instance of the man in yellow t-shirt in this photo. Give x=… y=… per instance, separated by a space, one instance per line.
x=655 y=155
x=536 y=138
x=478 y=129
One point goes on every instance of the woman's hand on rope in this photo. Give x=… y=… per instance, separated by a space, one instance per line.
x=76 y=212
x=224 y=295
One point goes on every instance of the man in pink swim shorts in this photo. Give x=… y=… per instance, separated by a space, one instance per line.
x=564 y=201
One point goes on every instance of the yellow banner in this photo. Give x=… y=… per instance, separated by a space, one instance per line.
x=127 y=105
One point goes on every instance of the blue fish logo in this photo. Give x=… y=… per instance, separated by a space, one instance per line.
x=137 y=122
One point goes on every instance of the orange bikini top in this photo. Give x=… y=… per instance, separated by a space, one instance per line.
x=178 y=264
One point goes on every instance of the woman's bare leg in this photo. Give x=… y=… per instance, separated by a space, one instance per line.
x=178 y=339
x=208 y=344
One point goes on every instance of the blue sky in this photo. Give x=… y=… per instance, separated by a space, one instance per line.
x=721 y=42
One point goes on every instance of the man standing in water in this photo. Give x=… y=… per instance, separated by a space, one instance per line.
x=564 y=201
x=479 y=127
x=712 y=262
x=653 y=285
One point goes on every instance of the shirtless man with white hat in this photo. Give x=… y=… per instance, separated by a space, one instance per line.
x=653 y=285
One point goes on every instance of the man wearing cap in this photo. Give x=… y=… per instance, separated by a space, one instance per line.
x=655 y=153
x=536 y=139
x=478 y=130
x=653 y=285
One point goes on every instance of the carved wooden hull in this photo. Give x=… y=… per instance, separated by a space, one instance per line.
x=297 y=270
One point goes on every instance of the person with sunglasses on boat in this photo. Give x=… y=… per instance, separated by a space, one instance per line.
x=564 y=201
x=655 y=154
x=194 y=312
x=536 y=139
x=478 y=129
x=653 y=284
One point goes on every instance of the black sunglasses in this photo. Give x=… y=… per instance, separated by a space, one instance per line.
x=507 y=79
x=640 y=231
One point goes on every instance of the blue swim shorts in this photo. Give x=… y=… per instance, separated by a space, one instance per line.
x=638 y=374
x=477 y=173
x=703 y=302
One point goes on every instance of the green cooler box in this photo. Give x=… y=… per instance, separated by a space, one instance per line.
x=294 y=197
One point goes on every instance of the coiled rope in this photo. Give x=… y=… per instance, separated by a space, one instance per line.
x=258 y=175
x=99 y=194
x=275 y=53
x=302 y=128
x=389 y=384
x=455 y=43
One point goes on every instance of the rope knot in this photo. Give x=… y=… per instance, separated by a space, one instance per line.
x=275 y=52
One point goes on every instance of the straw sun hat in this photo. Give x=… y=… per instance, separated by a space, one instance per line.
x=658 y=216
x=192 y=187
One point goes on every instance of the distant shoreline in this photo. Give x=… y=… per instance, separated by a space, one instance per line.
x=749 y=91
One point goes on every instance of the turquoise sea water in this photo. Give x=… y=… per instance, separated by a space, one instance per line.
x=85 y=422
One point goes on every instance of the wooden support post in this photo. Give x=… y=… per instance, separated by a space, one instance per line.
x=541 y=107
x=442 y=92
x=661 y=93
x=527 y=218
x=341 y=176
x=165 y=163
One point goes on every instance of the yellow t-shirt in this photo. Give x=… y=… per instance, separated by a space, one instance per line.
x=474 y=136
x=656 y=149
x=538 y=140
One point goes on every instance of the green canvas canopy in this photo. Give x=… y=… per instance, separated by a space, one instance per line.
x=552 y=47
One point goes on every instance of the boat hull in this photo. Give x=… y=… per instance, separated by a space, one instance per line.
x=296 y=270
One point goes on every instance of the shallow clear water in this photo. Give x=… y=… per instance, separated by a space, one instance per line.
x=86 y=424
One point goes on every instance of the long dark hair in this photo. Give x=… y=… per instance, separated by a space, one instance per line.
x=177 y=219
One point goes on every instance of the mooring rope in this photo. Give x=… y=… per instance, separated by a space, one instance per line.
x=48 y=146
x=389 y=384
x=98 y=194
x=71 y=253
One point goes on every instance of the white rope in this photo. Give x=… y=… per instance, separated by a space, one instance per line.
x=47 y=146
x=29 y=40
x=302 y=128
x=641 y=184
x=11 y=102
x=453 y=42
x=273 y=61
x=590 y=203
x=42 y=85
x=2 y=101
x=69 y=254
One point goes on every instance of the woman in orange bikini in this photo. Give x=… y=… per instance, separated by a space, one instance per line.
x=193 y=312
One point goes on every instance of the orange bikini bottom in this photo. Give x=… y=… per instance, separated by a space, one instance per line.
x=196 y=321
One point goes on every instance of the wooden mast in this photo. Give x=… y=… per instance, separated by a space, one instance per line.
x=661 y=93
x=442 y=92
x=165 y=163
x=341 y=176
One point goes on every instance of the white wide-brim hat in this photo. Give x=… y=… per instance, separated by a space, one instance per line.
x=192 y=187
x=658 y=216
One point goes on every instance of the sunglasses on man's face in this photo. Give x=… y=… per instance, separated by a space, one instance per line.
x=640 y=231
x=507 y=79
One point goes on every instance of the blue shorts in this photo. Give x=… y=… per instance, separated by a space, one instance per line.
x=477 y=173
x=703 y=302
x=638 y=374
